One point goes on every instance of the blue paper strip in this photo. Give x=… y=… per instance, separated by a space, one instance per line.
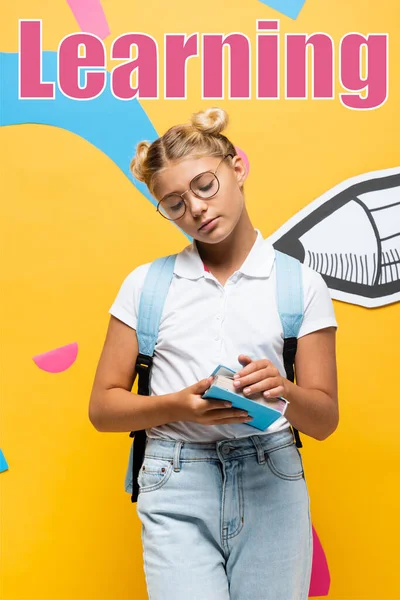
x=3 y=462
x=111 y=125
x=290 y=8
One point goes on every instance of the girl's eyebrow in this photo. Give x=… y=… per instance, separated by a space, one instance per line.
x=175 y=191
x=171 y=193
x=187 y=189
x=194 y=176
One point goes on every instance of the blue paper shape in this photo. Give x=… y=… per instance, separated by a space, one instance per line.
x=3 y=462
x=290 y=8
x=113 y=126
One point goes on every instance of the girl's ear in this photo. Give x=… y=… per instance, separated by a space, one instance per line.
x=239 y=168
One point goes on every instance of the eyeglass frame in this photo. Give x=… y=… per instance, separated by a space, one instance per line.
x=193 y=192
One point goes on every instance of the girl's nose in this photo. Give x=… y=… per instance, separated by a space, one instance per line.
x=196 y=205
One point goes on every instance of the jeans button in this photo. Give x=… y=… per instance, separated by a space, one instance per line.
x=225 y=450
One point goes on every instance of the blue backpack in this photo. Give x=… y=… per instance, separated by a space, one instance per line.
x=289 y=288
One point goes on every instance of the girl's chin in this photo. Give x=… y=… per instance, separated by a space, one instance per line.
x=216 y=236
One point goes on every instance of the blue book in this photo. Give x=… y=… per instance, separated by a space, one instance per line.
x=263 y=412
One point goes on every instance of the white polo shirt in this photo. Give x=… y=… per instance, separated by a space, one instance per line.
x=205 y=324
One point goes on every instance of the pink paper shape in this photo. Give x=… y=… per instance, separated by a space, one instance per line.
x=243 y=155
x=57 y=360
x=320 y=577
x=90 y=16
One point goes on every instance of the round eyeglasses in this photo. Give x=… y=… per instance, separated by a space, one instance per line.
x=205 y=186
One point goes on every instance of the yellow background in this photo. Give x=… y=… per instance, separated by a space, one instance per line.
x=73 y=226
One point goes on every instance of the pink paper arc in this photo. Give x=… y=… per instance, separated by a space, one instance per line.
x=58 y=360
x=90 y=17
x=243 y=155
x=320 y=576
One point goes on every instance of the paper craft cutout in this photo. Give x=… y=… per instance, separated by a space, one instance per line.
x=243 y=155
x=3 y=462
x=90 y=16
x=57 y=360
x=351 y=235
x=112 y=126
x=320 y=577
x=290 y=8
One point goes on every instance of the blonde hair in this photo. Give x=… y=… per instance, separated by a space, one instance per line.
x=200 y=137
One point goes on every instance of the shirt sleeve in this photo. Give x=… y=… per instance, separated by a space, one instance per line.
x=318 y=306
x=126 y=304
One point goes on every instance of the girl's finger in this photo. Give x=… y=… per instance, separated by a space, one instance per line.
x=274 y=393
x=254 y=366
x=243 y=358
x=231 y=420
x=221 y=415
x=254 y=377
x=218 y=405
x=251 y=368
x=262 y=386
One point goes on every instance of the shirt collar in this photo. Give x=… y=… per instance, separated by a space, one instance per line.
x=258 y=263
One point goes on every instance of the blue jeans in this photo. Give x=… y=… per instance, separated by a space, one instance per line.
x=228 y=520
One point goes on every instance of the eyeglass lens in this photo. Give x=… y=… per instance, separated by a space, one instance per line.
x=204 y=186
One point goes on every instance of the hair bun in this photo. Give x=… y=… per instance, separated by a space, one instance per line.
x=137 y=165
x=210 y=121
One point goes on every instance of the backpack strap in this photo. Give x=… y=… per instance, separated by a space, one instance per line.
x=289 y=290
x=152 y=299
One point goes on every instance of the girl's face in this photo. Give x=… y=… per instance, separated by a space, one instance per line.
x=206 y=219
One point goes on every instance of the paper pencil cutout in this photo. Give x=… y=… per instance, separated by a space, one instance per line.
x=351 y=235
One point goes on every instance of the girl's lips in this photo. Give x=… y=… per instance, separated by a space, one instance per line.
x=209 y=225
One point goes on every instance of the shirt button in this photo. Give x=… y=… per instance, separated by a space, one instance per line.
x=218 y=317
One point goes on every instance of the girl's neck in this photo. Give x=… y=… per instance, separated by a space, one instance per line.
x=231 y=253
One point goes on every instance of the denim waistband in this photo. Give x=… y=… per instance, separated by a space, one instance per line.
x=178 y=451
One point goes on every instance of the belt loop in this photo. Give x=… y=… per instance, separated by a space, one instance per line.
x=177 y=454
x=293 y=435
x=259 y=447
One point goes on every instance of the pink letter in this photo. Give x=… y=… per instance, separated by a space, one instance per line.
x=296 y=65
x=239 y=59
x=268 y=61
x=70 y=66
x=375 y=83
x=146 y=64
x=30 y=62
x=177 y=51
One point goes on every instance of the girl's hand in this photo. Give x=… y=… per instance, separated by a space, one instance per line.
x=189 y=405
x=259 y=376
